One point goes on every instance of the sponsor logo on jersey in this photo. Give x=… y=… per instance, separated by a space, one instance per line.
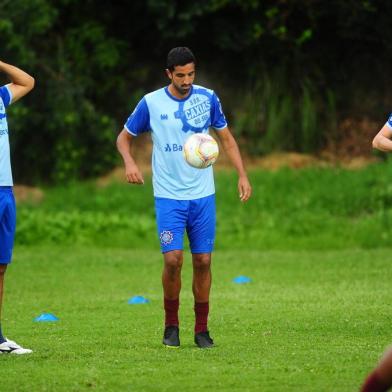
x=173 y=147
x=164 y=116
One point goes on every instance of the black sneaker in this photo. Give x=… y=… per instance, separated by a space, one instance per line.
x=171 y=337
x=203 y=340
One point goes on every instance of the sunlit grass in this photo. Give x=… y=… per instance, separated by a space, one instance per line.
x=308 y=321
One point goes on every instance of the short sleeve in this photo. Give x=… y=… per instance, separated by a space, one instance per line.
x=139 y=121
x=218 y=119
x=389 y=122
x=6 y=95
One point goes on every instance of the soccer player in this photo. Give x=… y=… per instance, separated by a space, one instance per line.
x=380 y=379
x=21 y=84
x=184 y=196
x=382 y=141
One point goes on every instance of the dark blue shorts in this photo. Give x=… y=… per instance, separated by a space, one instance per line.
x=7 y=223
x=197 y=217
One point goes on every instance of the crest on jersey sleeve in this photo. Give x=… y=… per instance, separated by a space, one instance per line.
x=195 y=112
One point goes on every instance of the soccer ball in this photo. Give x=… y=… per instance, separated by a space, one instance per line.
x=200 y=150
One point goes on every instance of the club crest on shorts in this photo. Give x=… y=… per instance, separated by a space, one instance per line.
x=166 y=237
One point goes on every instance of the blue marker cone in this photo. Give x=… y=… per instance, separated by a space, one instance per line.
x=46 y=317
x=138 y=299
x=242 y=279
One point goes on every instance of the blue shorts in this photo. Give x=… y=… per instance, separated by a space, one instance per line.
x=197 y=217
x=7 y=223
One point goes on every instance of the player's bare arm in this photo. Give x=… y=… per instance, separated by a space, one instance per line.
x=382 y=141
x=231 y=148
x=21 y=81
x=132 y=172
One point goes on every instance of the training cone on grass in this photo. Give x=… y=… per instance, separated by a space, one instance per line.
x=242 y=279
x=46 y=317
x=138 y=299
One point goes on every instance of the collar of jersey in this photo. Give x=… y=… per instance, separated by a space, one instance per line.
x=178 y=99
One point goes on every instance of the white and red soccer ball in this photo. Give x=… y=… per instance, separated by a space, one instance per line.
x=201 y=150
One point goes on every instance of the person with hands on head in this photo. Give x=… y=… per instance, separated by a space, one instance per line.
x=21 y=83
x=184 y=196
x=383 y=140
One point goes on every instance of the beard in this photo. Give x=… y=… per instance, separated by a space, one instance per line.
x=183 y=90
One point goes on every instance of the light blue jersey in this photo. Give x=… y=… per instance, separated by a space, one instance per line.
x=171 y=121
x=5 y=161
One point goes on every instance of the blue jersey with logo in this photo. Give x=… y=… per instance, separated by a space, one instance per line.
x=5 y=161
x=171 y=121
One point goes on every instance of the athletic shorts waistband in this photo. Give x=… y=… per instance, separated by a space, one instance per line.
x=5 y=188
x=186 y=199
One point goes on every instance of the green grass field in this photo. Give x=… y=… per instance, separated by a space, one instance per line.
x=316 y=316
x=309 y=321
x=308 y=209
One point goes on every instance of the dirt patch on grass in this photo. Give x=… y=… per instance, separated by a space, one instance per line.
x=352 y=152
x=291 y=160
x=24 y=193
x=272 y=162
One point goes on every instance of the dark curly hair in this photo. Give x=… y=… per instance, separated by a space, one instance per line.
x=179 y=56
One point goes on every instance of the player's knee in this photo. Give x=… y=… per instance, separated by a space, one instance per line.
x=202 y=261
x=3 y=267
x=173 y=263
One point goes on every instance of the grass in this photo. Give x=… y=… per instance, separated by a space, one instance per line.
x=309 y=209
x=316 y=316
x=308 y=321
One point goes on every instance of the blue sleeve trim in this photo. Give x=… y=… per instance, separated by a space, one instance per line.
x=218 y=119
x=130 y=132
x=389 y=122
x=10 y=93
x=6 y=95
x=139 y=121
x=220 y=129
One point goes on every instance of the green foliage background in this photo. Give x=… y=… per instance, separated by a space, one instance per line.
x=308 y=209
x=287 y=71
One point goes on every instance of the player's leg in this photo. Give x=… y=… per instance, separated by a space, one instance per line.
x=171 y=282
x=380 y=379
x=201 y=233
x=171 y=275
x=7 y=234
x=3 y=268
x=6 y=243
x=201 y=291
x=201 y=284
x=171 y=220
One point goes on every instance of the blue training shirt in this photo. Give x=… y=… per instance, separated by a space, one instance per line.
x=5 y=160
x=171 y=121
